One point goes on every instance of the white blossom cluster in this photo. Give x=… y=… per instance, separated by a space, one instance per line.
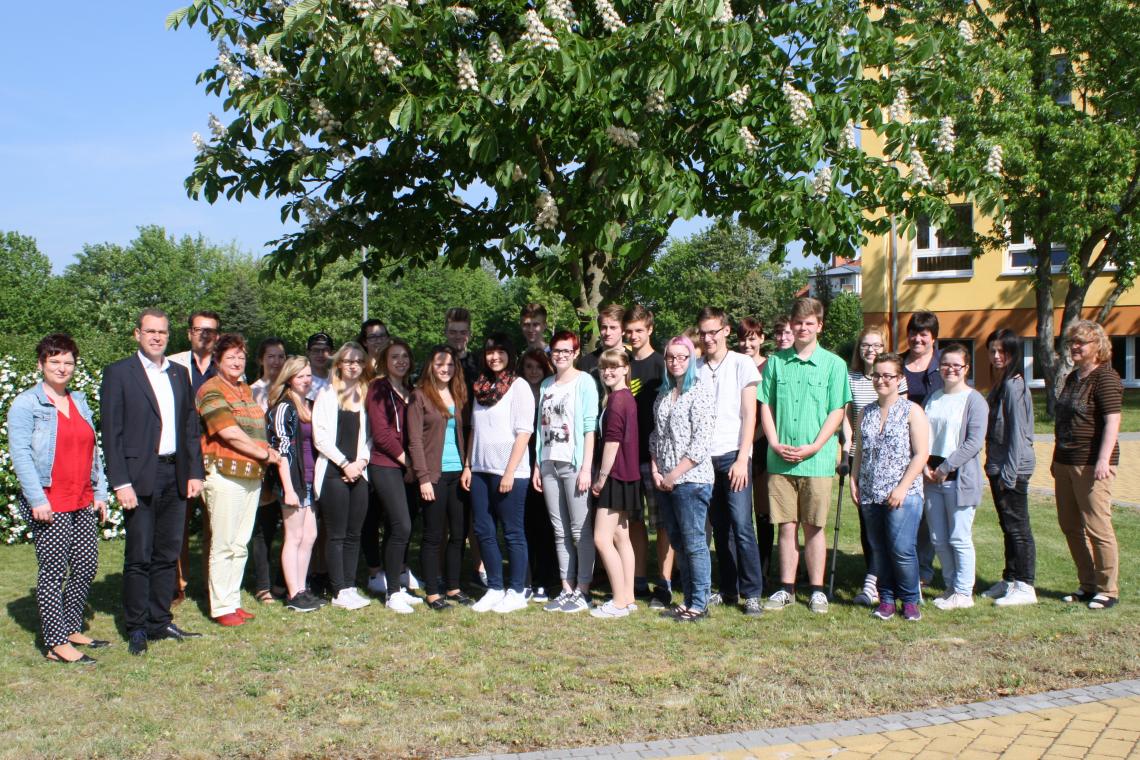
x=821 y=185
x=217 y=129
x=323 y=116
x=315 y=209
x=849 y=142
x=495 y=52
x=277 y=6
x=362 y=7
x=798 y=102
x=740 y=96
x=466 y=78
x=622 y=137
x=231 y=68
x=994 y=163
x=751 y=144
x=610 y=18
x=384 y=58
x=966 y=32
x=298 y=146
x=944 y=142
x=724 y=13
x=759 y=14
x=537 y=35
x=463 y=15
x=898 y=109
x=919 y=173
x=547 y=217
x=562 y=13
x=199 y=143
x=517 y=174
x=262 y=61
x=655 y=101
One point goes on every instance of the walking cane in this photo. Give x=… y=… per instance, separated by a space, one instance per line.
x=842 y=468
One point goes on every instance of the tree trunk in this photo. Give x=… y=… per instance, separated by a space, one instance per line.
x=591 y=293
x=1106 y=308
x=1044 y=357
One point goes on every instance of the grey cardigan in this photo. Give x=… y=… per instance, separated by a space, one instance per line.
x=1009 y=442
x=967 y=458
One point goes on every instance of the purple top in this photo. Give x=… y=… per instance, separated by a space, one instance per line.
x=619 y=423
x=308 y=456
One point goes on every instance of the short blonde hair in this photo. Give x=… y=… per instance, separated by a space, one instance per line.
x=1087 y=331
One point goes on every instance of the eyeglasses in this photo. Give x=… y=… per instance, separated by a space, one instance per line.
x=953 y=367
x=204 y=330
x=712 y=333
x=375 y=337
x=561 y=351
x=869 y=346
x=879 y=377
x=352 y=362
x=676 y=357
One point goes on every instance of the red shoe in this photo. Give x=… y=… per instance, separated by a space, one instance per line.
x=243 y=614
x=230 y=620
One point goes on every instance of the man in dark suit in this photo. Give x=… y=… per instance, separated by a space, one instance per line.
x=152 y=446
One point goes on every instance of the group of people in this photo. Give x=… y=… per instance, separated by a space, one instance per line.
x=571 y=456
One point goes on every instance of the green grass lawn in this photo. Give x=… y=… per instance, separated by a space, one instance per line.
x=376 y=684
x=1129 y=418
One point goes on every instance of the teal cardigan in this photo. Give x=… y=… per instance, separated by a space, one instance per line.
x=585 y=416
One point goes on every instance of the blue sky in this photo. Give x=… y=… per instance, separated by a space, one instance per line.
x=99 y=102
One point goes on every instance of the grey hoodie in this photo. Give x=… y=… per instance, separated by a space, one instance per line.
x=1009 y=442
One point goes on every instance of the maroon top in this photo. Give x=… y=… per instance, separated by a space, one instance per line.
x=388 y=423
x=619 y=423
x=70 y=488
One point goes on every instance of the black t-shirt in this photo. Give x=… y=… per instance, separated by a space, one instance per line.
x=645 y=380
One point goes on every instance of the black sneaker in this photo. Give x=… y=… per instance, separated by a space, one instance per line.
x=661 y=598
x=300 y=602
x=317 y=599
x=460 y=598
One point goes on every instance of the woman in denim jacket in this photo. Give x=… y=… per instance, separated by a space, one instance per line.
x=55 y=453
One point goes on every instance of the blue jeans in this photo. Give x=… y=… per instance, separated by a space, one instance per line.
x=684 y=511
x=952 y=533
x=894 y=537
x=488 y=509
x=737 y=551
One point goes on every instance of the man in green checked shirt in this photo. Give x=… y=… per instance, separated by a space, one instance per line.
x=802 y=396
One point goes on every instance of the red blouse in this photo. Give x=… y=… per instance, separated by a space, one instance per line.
x=70 y=488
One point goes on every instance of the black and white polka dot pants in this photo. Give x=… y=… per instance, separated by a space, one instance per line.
x=67 y=550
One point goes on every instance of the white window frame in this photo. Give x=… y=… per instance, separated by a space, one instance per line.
x=1027 y=246
x=1131 y=378
x=935 y=251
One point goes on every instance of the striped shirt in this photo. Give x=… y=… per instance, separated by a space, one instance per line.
x=222 y=405
x=801 y=394
x=1081 y=408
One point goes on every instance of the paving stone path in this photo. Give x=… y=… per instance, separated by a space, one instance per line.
x=1090 y=722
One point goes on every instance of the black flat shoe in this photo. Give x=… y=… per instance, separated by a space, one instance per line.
x=171 y=631
x=439 y=605
x=460 y=599
x=92 y=644
x=83 y=660
x=1084 y=597
x=136 y=644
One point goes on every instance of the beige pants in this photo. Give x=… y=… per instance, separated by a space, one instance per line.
x=1084 y=511
x=231 y=506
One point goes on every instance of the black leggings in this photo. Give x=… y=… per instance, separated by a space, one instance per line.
x=540 y=541
x=394 y=497
x=445 y=513
x=261 y=545
x=343 y=506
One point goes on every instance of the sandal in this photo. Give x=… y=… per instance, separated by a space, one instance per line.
x=1102 y=602
x=265 y=596
x=1082 y=596
x=692 y=616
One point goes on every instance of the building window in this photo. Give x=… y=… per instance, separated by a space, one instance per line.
x=1021 y=258
x=1124 y=348
x=1062 y=81
x=945 y=253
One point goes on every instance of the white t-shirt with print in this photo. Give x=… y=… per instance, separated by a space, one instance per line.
x=731 y=376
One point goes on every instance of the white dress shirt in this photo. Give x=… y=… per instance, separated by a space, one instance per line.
x=159 y=378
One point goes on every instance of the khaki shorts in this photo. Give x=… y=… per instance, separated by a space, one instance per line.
x=795 y=498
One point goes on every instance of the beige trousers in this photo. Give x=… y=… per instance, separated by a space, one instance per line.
x=231 y=506
x=1084 y=511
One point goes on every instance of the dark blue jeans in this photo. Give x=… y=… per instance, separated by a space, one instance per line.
x=1013 y=515
x=684 y=510
x=737 y=551
x=489 y=508
x=894 y=547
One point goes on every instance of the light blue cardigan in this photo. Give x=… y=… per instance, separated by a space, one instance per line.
x=585 y=416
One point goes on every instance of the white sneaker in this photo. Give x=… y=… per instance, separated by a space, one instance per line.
x=349 y=600
x=488 y=601
x=954 y=602
x=1019 y=593
x=398 y=602
x=408 y=580
x=378 y=584
x=511 y=602
x=609 y=610
x=411 y=598
x=998 y=590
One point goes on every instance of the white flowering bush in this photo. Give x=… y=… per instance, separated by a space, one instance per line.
x=15 y=377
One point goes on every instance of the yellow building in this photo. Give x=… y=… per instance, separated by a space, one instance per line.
x=972 y=297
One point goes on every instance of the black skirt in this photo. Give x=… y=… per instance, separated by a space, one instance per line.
x=620 y=495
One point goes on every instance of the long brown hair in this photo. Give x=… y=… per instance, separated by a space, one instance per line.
x=457 y=386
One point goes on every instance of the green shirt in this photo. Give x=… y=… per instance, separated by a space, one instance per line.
x=801 y=393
